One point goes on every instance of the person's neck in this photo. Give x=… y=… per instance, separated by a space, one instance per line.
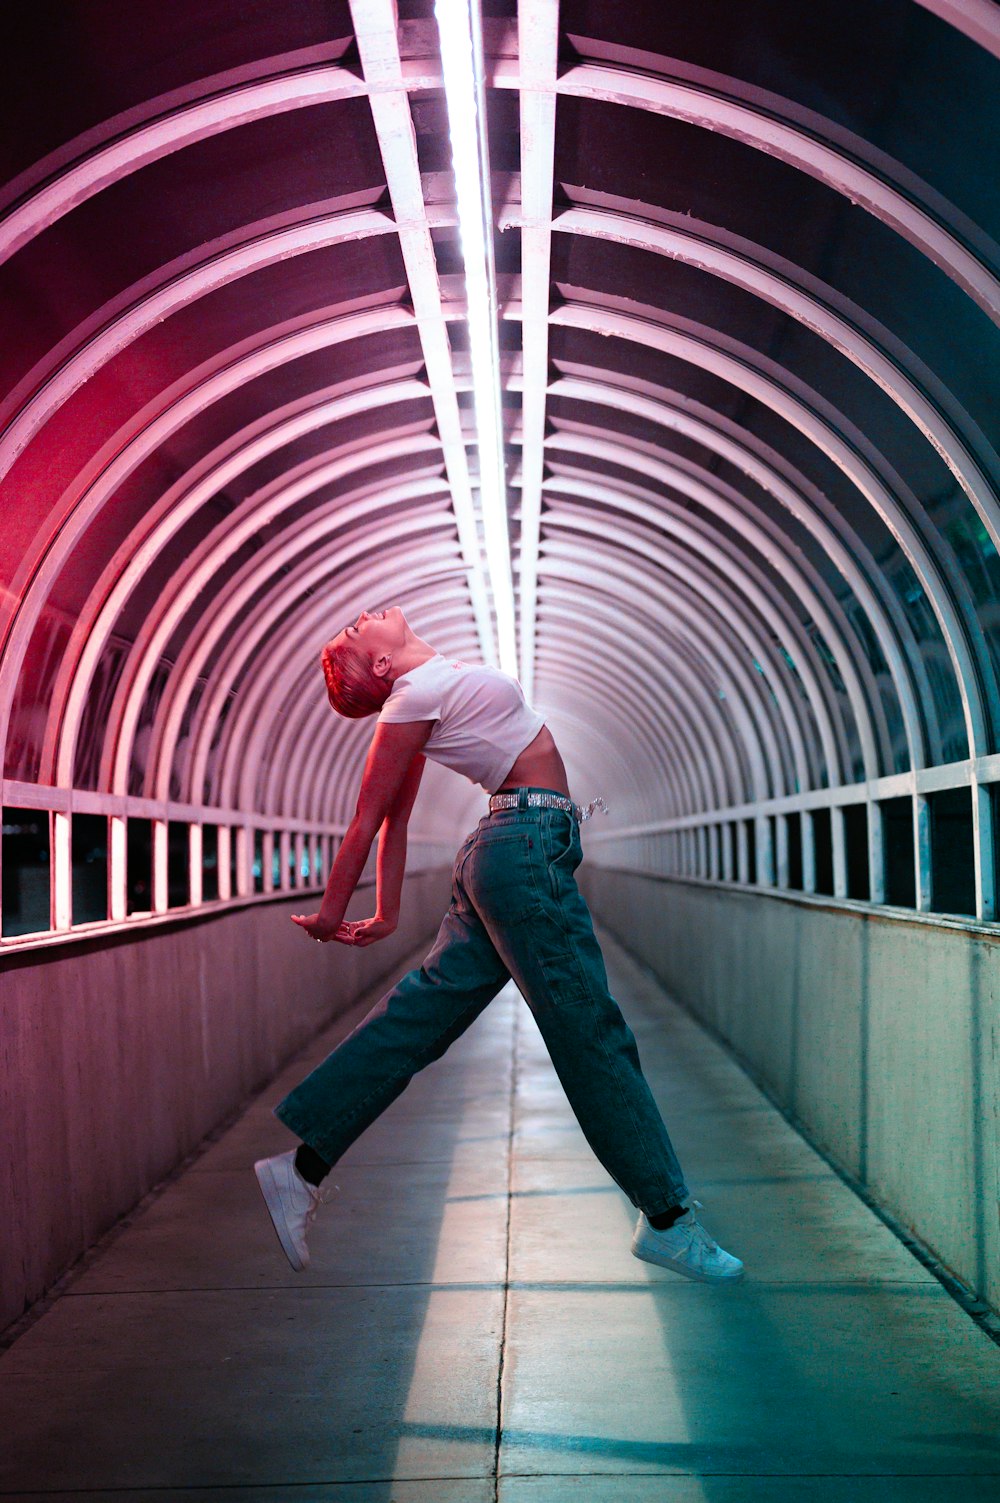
x=413 y=652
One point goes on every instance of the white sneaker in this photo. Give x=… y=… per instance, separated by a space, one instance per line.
x=686 y=1248
x=292 y=1202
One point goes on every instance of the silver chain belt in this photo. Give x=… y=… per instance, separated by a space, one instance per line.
x=512 y=800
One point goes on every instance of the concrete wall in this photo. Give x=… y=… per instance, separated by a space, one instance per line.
x=879 y=1032
x=120 y=1054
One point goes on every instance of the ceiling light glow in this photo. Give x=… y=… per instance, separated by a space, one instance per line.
x=459 y=29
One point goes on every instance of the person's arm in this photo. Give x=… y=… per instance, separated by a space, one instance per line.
x=387 y=770
x=392 y=849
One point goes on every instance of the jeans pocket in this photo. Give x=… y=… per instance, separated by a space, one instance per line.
x=564 y=855
x=500 y=875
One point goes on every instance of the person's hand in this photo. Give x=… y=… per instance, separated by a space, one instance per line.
x=368 y=931
x=318 y=930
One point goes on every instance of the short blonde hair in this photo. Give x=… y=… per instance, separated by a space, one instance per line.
x=351 y=686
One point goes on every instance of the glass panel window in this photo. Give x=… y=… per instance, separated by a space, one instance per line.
x=139 y=865
x=823 y=839
x=898 y=853
x=953 y=885
x=90 y=868
x=25 y=871
x=178 y=864
x=856 y=844
x=209 y=863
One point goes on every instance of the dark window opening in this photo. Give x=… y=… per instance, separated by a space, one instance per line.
x=25 y=862
x=897 y=852
x=258 y=861
x=234 y=864
x=751 y=829
x=795 y=851
x=90 y=868
x=178 y=865
x=856 y=844
x=139 y=865
x=209 y=862
x=953 y=883
x=823 y=844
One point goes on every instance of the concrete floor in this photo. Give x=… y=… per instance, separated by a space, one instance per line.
x=475 y=1251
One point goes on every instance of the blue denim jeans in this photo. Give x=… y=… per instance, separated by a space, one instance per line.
x=515 y=912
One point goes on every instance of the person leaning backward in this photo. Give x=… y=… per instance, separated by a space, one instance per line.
x=515 y=911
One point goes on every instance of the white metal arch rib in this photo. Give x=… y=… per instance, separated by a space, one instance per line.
x=190 y=583
x=701 y=586
x=814 y=145
x=46 y=392
x=219 y=633
x=757 y=589
x=714 y=500
x=294 y=641
x=846 y=551
x=130 y=446
x=962 y=636
x=831 y=317
x=574 y=563
x=695 y=573
x=689 y=722
x=697 y=481
x=137 y=553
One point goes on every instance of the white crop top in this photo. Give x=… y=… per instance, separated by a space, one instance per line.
x=483 y=720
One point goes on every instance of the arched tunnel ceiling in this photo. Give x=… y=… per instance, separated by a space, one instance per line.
x=749 y=286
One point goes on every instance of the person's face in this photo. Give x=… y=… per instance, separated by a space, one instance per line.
x=377 y=633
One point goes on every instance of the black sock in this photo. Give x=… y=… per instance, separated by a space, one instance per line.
x=665 y=1220
x=312 y=1168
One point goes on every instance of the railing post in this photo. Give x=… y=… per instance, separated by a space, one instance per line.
x=117 y=875
x=764 y=850
x=244 y=861
x=922 y=852
x=60 y=870
x=808 y=851
x=983 y=838
x=196 y=848
x=160 y=902
x=876 y=852
x=224 y=858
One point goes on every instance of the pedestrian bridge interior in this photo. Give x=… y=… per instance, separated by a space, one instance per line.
x=661 y=368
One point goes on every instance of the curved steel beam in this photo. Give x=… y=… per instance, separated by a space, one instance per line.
x=963 y=638
x=126 y=450
x=574 y=562
x=49 y=391
x=717 y=602
x=194 y=657
x=138 y=552
x=796 y=495
x=759 y=595
x=693 y=716
x=712 y=497
x=814 y=145
x=781 y=553
x=825 y=313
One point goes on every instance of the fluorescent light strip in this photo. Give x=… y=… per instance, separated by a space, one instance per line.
x=462 y=62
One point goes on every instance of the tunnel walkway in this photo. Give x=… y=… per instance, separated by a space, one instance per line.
x=474 y=1253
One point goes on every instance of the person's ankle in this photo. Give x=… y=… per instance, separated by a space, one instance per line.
x=664 y=1220
x=310 y=1166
